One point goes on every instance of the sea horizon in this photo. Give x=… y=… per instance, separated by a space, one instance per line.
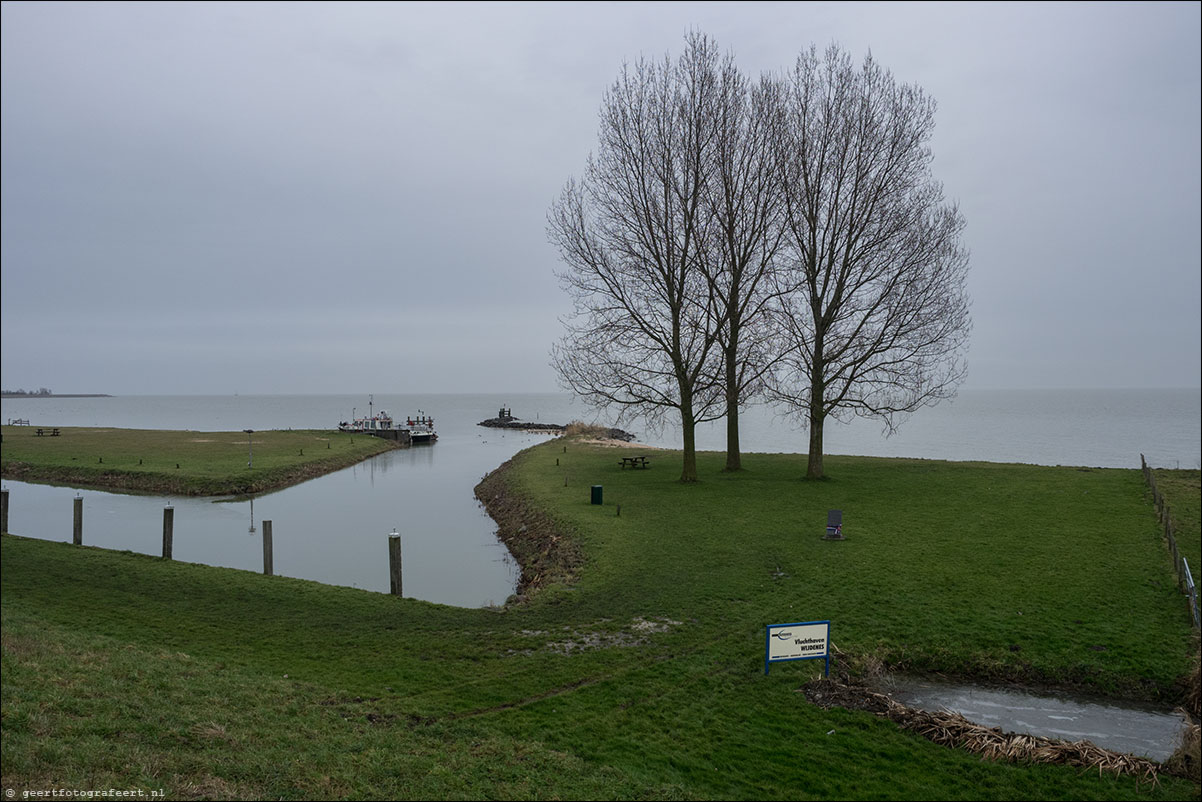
x=1102 y=427
x=325 y=393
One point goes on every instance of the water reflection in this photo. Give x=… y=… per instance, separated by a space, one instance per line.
x=332 y=529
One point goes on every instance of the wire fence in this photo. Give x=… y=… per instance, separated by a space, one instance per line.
x=1185 y=579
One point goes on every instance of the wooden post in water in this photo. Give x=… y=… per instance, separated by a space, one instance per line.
x=4 y=511
x=77 y=529
x=394 y=564
x=267 y=555
x=168 y=531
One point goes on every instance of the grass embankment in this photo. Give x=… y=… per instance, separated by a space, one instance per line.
x=180 y=463
x=642 y=679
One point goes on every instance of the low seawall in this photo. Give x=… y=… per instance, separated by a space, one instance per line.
x=400 y=436
x=526 y=426
x=510 y=422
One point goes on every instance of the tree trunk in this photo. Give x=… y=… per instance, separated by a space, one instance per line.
x=814 y=466
x=734 y=460
x=817 y=417
x=734 y=457
x=688 y=472
x=688 y=429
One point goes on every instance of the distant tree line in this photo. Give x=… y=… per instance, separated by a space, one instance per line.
x=39 y=391
x=779 y=239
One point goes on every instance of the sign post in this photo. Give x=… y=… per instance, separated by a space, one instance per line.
x=808 y=640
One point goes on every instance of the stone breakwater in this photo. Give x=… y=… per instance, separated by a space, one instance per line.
x=507 y=421
x=616 y=434
x=513 y=423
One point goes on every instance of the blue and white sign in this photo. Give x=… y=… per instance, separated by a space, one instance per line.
x=808 y=640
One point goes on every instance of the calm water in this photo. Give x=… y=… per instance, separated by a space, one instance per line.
x=334 y=529
x=1095 y=428
x=1136 y=730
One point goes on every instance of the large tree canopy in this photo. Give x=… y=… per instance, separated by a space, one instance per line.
x=744 y=206
x=631 y=234
x=875 y=316
x=784 y=237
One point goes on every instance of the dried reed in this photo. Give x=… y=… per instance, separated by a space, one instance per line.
x=991 y=743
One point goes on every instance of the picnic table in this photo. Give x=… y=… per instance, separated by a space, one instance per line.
x=635 y=462
x=48 y=432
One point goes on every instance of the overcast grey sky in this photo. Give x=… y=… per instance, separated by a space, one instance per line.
x=342 y=198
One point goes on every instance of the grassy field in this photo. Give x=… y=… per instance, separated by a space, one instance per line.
x=180 y=463
x=643 y=678
x=963 y=568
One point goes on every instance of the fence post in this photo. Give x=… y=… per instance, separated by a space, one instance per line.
x=1192 y=590
x=267 y=553
x=4 y=511
x=77 y=528
x=394 y=564
x=1168 y=534
x=168 y=531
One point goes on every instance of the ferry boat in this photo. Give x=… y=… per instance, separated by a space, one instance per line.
x=373 y=423
x=382 y=422
x=421 y=428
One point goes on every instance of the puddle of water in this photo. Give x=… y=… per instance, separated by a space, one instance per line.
x=1129 y=728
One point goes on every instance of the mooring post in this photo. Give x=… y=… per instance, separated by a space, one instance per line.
x=4 y=511
x=77 y=529
x=168 y=530
x=394 y=563
x=267 y=556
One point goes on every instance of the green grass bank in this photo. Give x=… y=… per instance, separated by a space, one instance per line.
x=180 y=463
x=641 y=677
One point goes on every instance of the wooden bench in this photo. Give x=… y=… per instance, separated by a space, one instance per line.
x=635 y=462
x=48 y=432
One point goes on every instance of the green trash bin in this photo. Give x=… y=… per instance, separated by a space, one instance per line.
x=596 y=494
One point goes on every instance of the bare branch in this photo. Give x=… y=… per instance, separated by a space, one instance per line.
x=631 y=235
x=874 y=313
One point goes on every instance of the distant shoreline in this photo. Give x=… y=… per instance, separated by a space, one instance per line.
x=56 y=395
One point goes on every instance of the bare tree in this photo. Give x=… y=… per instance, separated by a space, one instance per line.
x=743 y=203
x=632 y=235
x=876 y=316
